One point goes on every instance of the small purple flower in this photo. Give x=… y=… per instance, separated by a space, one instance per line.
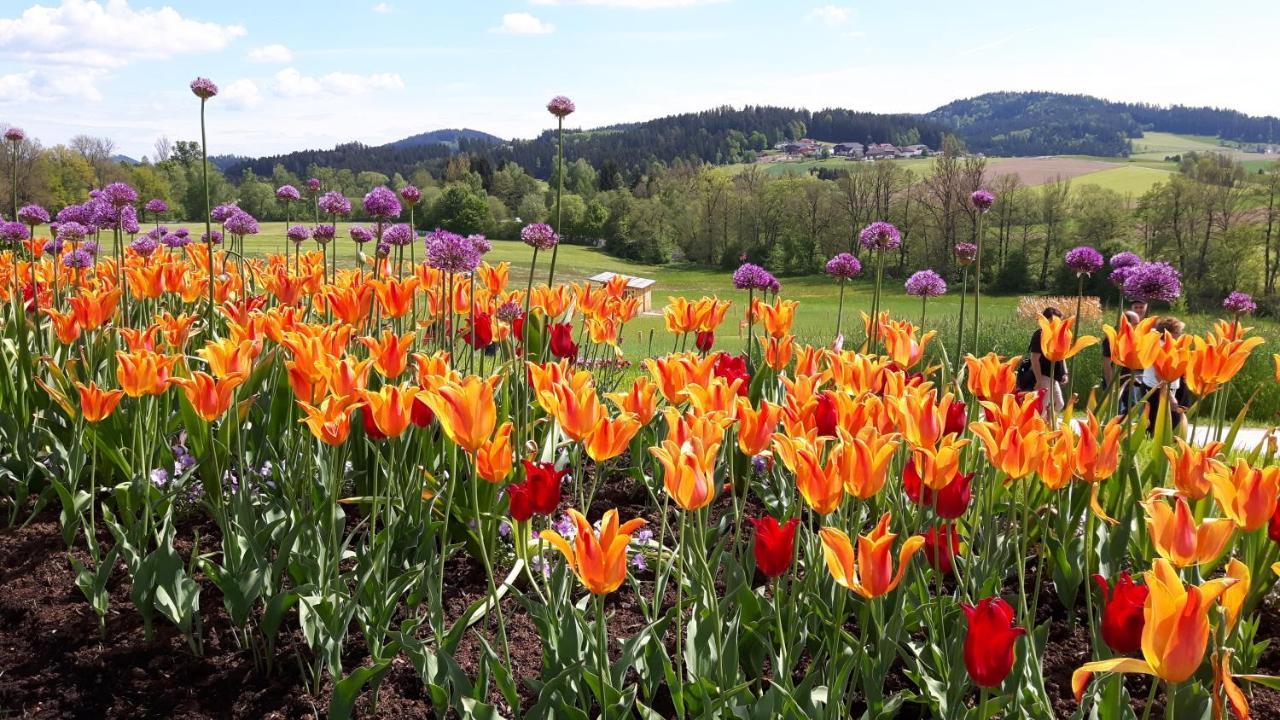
x=966 y=253
x=504 y=529
x=644 y=536
x=215 y=237
x=926 y=283
x=481 y=242
x=759 y=464
x=33 y=215
x=241 y=223
x=220 y=213
x=120 y=194
x=13 y=232
x=1150 y=281
x=71 y=232
x=160 y=477
x=155 y=206
x=509 y=311
x=78 y=259
x=14 y=134
x=1084 y=260
x=298 y=233
x=561 y=106
x=313 y=185
x=410 y=195
x=203 y=88
x=539 y=235
x=844 y=266
x=381 y=203
x=637 y=562
x=880 y=235
x=144 y=246
x=157 y=232
x=335 y=203
x=565 y=526
x=1239 y=303
x=750 y=276
x=982 y=199
x=451 y=252
x=359 y=233
x=288 y=193
x=174 y=241
x=323 y=233
x=1124 y=260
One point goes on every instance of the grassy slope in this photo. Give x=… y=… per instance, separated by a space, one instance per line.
x=1126 y=179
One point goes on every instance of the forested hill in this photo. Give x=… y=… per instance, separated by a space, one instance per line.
x=720 y=135
x=1042 y=123
x=448 y=136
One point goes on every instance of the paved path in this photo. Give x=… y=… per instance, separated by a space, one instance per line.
x=1247 y=439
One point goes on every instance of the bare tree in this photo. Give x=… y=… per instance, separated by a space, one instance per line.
x=97 y=150
x=163 y=148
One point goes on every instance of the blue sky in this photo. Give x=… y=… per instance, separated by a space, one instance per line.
x=299 y=75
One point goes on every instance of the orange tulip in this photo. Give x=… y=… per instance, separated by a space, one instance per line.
x=351 y=305
x=577 y=408
x=776 y=318
x=641 y=400
x=821 y=486
x=1190 y=467
x=901 y=345
x=494 y=459
x=330 y=422
x=494 y=277
x=1014 y=453
x=857 y=373
x=869 y=572
x=1057 y=342
x=682 y=316
x=669 y=375
x=176 y=328
x=603 y=330
x=1167 y=355
x=688 y=471
x=208 y=396
x=598 y=559
x=466 y=410
x=612 y=436
x=1125 y=340
x=143 y=372
x=1175 y=633
x=922 y=415
x=553 y=302
x=64 y=326
x=390 y=352
x=97 y=404
x=1245 y=493
x=1058 y=461
x=991 y=378
x=1234 y=597
x=93 y=309
x=863 y=461
x=1176 y=536
x=755 y=427
x=1215 y=362
x=937 y=467
x=1098 y=452
x=139 y=339
x=228 y=357
x=395 y=297
x=808 y=360
x=715 y=310
x=391 y=408
x=346 y=376
x=1021 y=411
x=720 y=396
x=708 y=428
x=778 y=351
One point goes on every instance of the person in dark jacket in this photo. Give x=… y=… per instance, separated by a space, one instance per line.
x=1050 y=376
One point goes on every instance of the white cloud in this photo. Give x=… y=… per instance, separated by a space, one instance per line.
x=382 y=8
x=633 y=4
x=291 y=83
x=523 y=24
x=241 y=95
x=47 y=84
x=270 y=54
x=830 y=14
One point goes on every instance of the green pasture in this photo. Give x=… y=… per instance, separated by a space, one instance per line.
x=1159 y=145
x=1124 y=179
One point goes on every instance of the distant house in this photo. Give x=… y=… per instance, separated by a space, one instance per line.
x=913 y=150
x=880 y=151
x=637 y=287
x=848 y=149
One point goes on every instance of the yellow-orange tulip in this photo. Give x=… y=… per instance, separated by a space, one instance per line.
x=1190 y=466
x=97 y=404
x=395 y=297
x=863 y=460
x=1167 y=355
x=93 y=309
x=683 y=316
x=1175 y=633
x=228 y=357
x=900 y=343
x=494 y=459
x=1233 y=599
x=1125 y=341
x=755 y=427
x=937 y=466
x=611 y=436
x=669 y=376
x=688 y=471
x=868 y=572
x=466 y=411
x=991 y=378
x=820 y=485
x=1014 y=453
x=641 y=400
x=809 y=360
x=346 y=376
x=351 y=305
x=1058 y=461
x=1058 y=342
x=1246 y=494
x=144 y=372
x=714 y=315
x=390 y=408
x=598 y=559
x=706 y=427
x=778 y=351
x=1098 y=449
x=330 y=421
x=1215 y=362
x=1176 y=536
x=720 y=396
x=776 y=318
x=390 y=352
x=922 y=415
x=577 y=408
x=65 y=326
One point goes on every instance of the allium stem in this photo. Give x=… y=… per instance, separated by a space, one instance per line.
x=977 y=281
x=551 y=274
x=964 y=298
x=208 y=221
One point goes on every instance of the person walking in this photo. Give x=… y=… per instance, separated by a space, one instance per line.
x=1150 y=387
x=1122 y=375
x=1050 y=376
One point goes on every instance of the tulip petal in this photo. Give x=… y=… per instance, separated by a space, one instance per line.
x=1096 y=507
x=1083 y=674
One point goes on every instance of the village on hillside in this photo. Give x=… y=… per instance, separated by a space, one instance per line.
x=807 y=149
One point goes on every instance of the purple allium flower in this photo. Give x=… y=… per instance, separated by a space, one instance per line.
x=411 y=195
x=1150 y=281
x=335 y=203
x=81 y=214
x=381 y=203
x=203 y=88
x=173 y=240
x=1124 y=260
x=1084 y=260
x=1239 y=303
x=966 y=253
x=844 y=266
x=52 y=246
x=926 y=283
x=13 y=232
x=509 y=311
x=1119 y=275
x=241 y=223
x=481 y=242
x=216 y=237
x=90 y=246
x=359 y=233
x=398 y=235
x=323 y=233
x=298 y=233
x=78 y=259
x=104 y=215
x=71 y=232
x=14 y=134
x=561 y=106
x=383 y=249
x=880 y=235
x=120 y=194
x=220 y=213
x=144 y=246
x=157 y=232
x=451 y=252
x=539 y=235
x=155 y=206
x=313 y=185
x=129 y=220
x=750 y=276
x=982 y=199
x=33 y=215
x=288 y=193
x=182 y=232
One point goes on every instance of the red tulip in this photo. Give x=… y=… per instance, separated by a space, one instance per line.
x=1122 y=614
x=371 y=427
x=774 y=544
x=480 y=334
x=988 y=646
x=539 y=494
x=732 y=367
x=957 y=418
x=952 y=500
x=420 y=413
x=941 y=546
x=1273 y=529
x=517 y=328
x=562 y=344
x=705 y=340
x=825 y=416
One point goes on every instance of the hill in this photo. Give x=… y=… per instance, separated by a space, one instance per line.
x=447 y=136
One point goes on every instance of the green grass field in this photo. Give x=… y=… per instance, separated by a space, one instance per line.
x=1125 y=179
x=1159 y=145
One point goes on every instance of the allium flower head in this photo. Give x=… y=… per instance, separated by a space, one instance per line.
x=13 y=232
x=509 y=311
x=323 y=233
x=33 y=215
x=966 y=253
x=215 y=237
x=81 y=214
x=14 y=134
x=313 y=185
x=145 y=245
x=1150 y=281
x=78 y=259
x=173 y=240
x=844 y=266
x=53 y=246
x=288 y=193
x=298 y=233
x=398 y=235
x=539 y=235
x=926 y=283
x=1239 y=303
x=1119 y=275
x=384 y=249
x=880 y=235
x=750 y=276
x=451 y=252
x=129 y=220
x=1124 y=260
x=1084 y=260
x=241 y=223
x=155 y=206
x=71 y=232
x=381 y=203
x=203 y=88
x=90 y=247
x=119 y=194
x=359 y=233
x=410 y=195
x=220 y=213
x=982 y=199
x=561 y=106
x=182 y=232
x=335 y=203
x=481 y=242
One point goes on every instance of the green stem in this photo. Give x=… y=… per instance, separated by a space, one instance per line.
x=602 y=638
x=551 y=274
x=208 y=221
